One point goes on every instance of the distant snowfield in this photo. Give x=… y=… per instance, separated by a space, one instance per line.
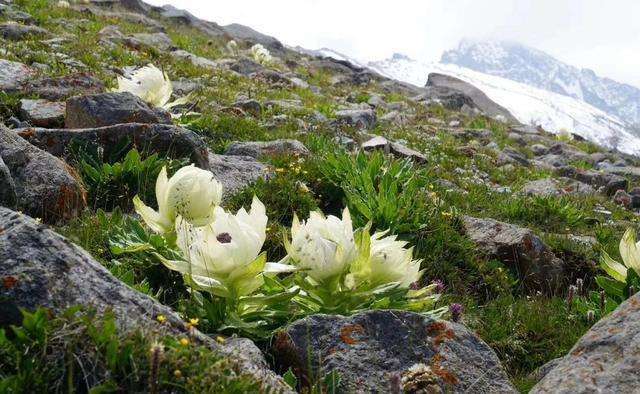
x=528 y=104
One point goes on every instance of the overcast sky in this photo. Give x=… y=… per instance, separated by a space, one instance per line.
x=597 y=34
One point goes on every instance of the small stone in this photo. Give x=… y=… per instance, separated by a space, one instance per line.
x=359 y=118
x=13 y=74
x=18 y=32
x=249 y=105
x=622 y=198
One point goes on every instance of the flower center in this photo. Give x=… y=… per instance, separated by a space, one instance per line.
x=224 y=238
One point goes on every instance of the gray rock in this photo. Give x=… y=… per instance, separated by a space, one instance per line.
x=605 y=359
x=512 y=156
x=166 y=140
x=249 y=105
x=50 y=271
x=542 y=187
x=550 y=187
x=622 y=198
x=261 y=149
x=542 y=371
x=359 y=118
x=18 y=32
x=106 y=109
x=631 y=173
x=371 y=350
x=539 y=149
x=394 y=148
x=395 y=117
x=470 y=95
x=45 y=186
x=42 y=113
x=610 y=183
x=61 y=88
x=159 y=40
x=376 y=101
x=517 y=247
x=242 y=32
x=289 y=105
x=13 y=74
x=246 y=66
x=8 y=196
x=196 y=60
x=236 y=172
x=13 y=14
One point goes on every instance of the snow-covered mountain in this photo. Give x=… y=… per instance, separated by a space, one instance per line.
x=536 y=68
x=530 y=105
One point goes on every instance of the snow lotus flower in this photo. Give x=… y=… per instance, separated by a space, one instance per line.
x=63 y=4
x=261 y=54
x=191 y=193
x=390 y=261
x=323 y=246
x=630 y=252
x=151 y=85
x=232 y=48
x=224 y=257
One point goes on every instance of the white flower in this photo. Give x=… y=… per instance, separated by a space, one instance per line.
x=224 y=256
x=191 y=192
x=564 y=135
x=152 y=86
x=324 y=246
x=261 y=54
x=391 y=262
x=232 y=48
x=63 y=4
x=630 y=253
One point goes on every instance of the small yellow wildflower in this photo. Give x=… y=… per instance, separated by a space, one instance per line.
x=184 y=341
x=161 y=318
x=279 y=169
x=177 y=373
x=220 y=339
x=194 y=321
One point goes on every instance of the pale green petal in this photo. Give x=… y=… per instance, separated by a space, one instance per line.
x=153 y=219
x=629 y=251
x=615 y=270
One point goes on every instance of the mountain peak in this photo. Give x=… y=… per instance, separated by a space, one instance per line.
x=536 y=68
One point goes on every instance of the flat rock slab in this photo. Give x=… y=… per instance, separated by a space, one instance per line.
x=61 y=88
x=394 y=148
x=262 y=149
x=42 y=113
x=605 y=360
x=236 y=172
x=372 y=350
x=47 y=270
x=168 y=140
x=45 y=186
x=106 y=109
x=519 y=248
x=13 y=74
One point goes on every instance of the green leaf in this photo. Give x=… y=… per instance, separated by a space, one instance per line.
x=290 y=379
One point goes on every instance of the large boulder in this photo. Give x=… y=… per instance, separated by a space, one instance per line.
x=45 y=186
x=608 y=182
x=519 y=248
x=374 y=352
x=261 y=149
x=7 y=187
x=61 y=88
x=449 y=85
x=605 y=360
x=43 y=269
x=167 y=140
x=106 y=109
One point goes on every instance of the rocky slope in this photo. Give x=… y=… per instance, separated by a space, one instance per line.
x=503 y=217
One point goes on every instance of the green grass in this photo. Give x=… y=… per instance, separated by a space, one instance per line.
x=81 y=351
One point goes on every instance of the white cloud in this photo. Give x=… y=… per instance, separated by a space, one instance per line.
x=596 y=34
